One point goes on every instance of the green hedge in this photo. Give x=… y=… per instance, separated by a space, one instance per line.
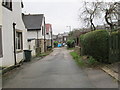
x=55 y=43
x=70 y=43
x=100 y=45
x=96 y=44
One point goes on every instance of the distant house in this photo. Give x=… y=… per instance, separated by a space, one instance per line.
x=12 y=33
x=49 y=40
x=54 y=38
x=61 y=38
x=65 y=37
x=35 y=25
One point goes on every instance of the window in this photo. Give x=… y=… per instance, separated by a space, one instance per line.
x=7 y=4
x=1 y=53
x=19 y=43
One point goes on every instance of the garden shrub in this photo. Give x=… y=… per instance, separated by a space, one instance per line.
x=55 y=43
x=96 y=44
x=70 y=43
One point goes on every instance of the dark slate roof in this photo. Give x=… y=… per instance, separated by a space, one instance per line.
x=33 y=22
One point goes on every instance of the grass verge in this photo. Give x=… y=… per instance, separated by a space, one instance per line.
x=84 y=61
x=70 y=48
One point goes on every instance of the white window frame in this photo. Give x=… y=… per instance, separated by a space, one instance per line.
x=19 y=48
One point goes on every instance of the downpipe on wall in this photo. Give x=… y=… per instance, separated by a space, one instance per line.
x=14 y=39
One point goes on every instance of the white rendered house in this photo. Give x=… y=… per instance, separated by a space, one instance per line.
x=35 y=25
x=14 y=38
x=49 y=34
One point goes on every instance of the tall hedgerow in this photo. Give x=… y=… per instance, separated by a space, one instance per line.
x=96 y=44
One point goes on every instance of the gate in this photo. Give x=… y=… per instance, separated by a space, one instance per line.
x=114 y=46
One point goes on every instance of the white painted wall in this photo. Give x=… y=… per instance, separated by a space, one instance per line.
x=43 y=24
x=32 y=47
x=1 y=25
x=8 y=18
x=48 y=37
x=19 y=57
x=33 y=34
x=17 y=15
x=7 y=28
x=0 y=12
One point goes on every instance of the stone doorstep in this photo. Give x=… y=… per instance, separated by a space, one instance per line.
x=110 y=72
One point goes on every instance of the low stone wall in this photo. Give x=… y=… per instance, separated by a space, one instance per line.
x=42 y=46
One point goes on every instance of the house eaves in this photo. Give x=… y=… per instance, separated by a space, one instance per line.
x=33 y=22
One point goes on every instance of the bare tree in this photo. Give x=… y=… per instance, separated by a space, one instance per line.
x=111 y=13
x=90 y=11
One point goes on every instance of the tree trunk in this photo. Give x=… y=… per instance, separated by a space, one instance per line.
x=106 y=19
x=92 y=25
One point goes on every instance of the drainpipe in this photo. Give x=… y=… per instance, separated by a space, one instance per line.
x=44 y=36
x=51 y=40
x=14 y=39
x=37 y=40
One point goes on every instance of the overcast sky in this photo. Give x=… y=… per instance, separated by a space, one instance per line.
x=59 y=13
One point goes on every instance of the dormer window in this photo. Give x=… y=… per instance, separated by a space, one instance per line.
x=7 y=4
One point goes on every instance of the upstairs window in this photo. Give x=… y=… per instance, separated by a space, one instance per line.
x=1 y=53
x=7 y=4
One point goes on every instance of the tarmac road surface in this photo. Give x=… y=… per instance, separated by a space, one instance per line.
x=57 y=70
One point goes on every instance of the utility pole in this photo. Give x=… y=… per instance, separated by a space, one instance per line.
x=44 y=36
x=69 y=28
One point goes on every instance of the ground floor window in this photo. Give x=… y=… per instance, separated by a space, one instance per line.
x=1 y=52
x=19 y=43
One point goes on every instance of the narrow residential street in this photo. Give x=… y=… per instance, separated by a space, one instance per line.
x=58 y=70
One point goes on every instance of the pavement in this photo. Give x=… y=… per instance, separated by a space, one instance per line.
x=57 y=70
